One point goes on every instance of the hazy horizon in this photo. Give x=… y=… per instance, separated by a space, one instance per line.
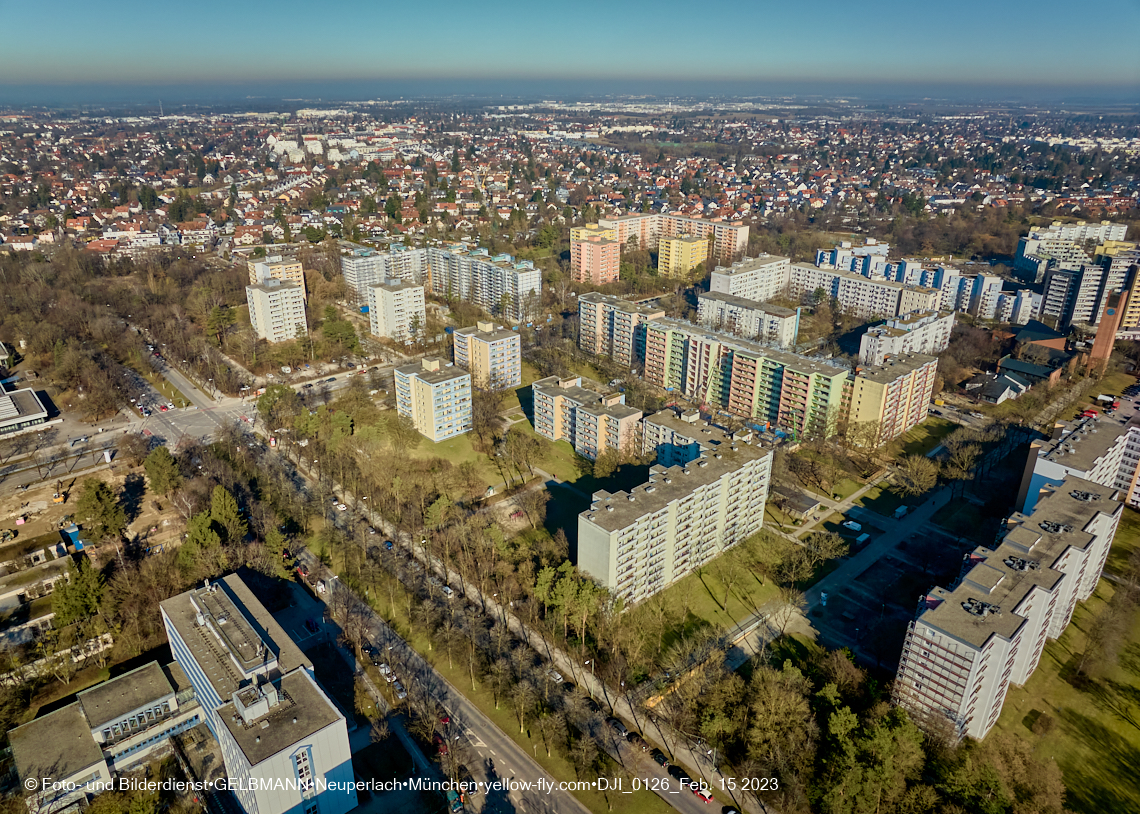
x=134 y=52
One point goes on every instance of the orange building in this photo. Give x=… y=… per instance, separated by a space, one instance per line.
x=595 y=260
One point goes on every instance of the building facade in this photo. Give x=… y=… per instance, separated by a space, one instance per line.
x=594 y=260
x=917 y=332
x=678 y=256
x=364 y=267
x=768 y=324
x=884 y=401
x=436 y=396
x=492 y=355
x=637 y=543
x=498 y=284
x=757 y=279
x=277 y=310
x=277 y=267
x=396 y=310
x=590 y=421
x=969 y=643
x=726 y=241
x=613 y=327
x=260 y=699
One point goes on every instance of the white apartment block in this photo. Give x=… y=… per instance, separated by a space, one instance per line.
x=261 y=701
x=590 y=421
x=492 y=355
x=969 y=643
x=364 y=267
x=639 y=542
x=727 y=241
x=436 y=396
x=1019 y=308
x=758 y=279
x=499 y=285
x=396 y=310
x=277 y=310
x=769 y=324
x=1089 y=448
x=1062 y=245
x=613 y=327
x=984 y=294
x=917 y=332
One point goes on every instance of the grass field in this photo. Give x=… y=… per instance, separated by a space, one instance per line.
x=698 y=600
x=1095 y=734
x=926 y=436
x=640 y=802
x=882 y=499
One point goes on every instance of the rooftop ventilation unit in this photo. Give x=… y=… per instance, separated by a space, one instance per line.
x=1020 y=564
x=1055 y=528
x=976 y=607
x=1086 y=497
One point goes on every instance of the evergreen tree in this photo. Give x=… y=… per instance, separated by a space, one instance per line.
x=162 y=471
x=99 y=510
x=226 y=515
x=77 y=597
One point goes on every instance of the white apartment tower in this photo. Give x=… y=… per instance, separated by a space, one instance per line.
x=396 y=310
x=277 y=310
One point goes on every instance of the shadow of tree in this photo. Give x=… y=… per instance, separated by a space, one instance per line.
x=1108 y=782
x=131 y=498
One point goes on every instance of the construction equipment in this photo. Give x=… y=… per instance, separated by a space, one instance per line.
x=58 y=496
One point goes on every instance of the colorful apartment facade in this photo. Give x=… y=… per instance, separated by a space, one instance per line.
x=492 y=355
x=595 y=260
x=726 y=241
x=678 y=256
x=884 y=401
x=613 y=327
x=592 y=422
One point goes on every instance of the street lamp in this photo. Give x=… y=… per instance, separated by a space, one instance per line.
x=591 y=663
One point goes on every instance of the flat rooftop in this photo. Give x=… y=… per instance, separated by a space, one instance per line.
x=112 y=700
x=612 y=511
x=1082 y=441
x=247 y=624
x=752 y=264
x=20 y=404
x=894 y=367
x=302 y=710
x=493 y=335
x=699 y=431
x=447 y=372
x=57 y=745
x=741 y=302
x=623 y=305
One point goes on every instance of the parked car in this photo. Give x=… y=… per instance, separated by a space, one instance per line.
x=659 y=758
x=618 y=726
x=851 y=524
x=704 y=792
x=341 y=507
x=398 y=688
x=637 y=741
x=554 y=675
x=388 y=544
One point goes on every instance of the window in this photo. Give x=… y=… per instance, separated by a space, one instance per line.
x=303 y=769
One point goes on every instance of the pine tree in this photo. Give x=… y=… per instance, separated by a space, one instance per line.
x=162 y=471
x=77 y=597
x=226 y=515
x=99 y=510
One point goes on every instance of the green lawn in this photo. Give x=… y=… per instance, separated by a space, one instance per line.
x=844 y=488
x=698 y=600
x=454 y=670
x=458 y=450
x=1095 y=734
x=1127 y=540
x=926 y=436
x=775 y=517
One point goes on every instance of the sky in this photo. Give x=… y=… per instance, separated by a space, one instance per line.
x=748 y=45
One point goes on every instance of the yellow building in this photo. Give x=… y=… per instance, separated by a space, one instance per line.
x=884 y=401
x=277 y=267
x=593 y=230
x=680 y=255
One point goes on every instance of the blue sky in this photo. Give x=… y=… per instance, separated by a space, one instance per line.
x=1005 y=42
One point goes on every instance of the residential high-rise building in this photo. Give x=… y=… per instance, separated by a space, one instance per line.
x=277 y=267
x=1062 y=245
x=613 y=327
x=1019 y=308
x=498 y=284
x=743 y=377
x=590 y=421
x=436 y=396
x=969 y=643
x=984 y=294
x=675 y=439
x=492 y=355
x=396 y=310
x=916 y=332
x=277 y=310
x=769 y=324
x=727 y=241
x=593 y=230
x=260 y=699
x=364 y=267
x=637 y=543
x=595 y=260
x=677 y=256
x=886 y=400
x=758 y=279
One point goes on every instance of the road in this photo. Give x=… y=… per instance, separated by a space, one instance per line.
x=498 y=755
